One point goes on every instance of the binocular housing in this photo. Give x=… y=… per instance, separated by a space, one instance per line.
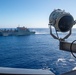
x=61 y=20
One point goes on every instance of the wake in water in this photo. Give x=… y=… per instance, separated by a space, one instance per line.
x=41 y=30
x=61 y=60
x=41 y=33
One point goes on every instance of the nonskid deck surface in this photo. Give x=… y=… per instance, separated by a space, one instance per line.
x=19 y=71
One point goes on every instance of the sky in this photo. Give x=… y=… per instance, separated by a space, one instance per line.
x=32 y=13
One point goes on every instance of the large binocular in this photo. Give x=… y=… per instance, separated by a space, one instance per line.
x=61 y=20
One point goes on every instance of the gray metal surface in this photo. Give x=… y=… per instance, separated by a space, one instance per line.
x=19 y=71
x=70 y=73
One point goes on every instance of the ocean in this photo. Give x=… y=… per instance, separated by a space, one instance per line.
x=36 y=52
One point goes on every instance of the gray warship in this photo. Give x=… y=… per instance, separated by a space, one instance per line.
x=19 y=31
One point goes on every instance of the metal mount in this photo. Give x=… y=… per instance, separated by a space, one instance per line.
x=64 y=45
x=57 y=37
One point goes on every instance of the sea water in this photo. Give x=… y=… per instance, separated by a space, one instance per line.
x=36 y=52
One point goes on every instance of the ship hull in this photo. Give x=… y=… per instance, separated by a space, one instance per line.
x=16 y=33
x=20 y=31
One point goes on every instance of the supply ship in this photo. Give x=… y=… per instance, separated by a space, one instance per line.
x=19 y=31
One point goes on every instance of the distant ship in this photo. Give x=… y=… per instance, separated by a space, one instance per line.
x=19 y=31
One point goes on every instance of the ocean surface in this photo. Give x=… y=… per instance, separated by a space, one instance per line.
x=36 y=52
